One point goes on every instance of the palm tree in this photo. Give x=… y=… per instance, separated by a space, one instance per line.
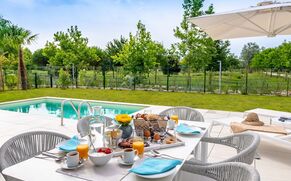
x=2 y=59
x=21 y=37
x=4 y=24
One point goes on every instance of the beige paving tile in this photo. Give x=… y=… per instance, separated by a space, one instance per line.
x=275 y=163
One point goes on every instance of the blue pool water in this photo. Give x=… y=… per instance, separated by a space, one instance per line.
x=52 y=107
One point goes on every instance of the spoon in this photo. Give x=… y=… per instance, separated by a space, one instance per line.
x=158 y=154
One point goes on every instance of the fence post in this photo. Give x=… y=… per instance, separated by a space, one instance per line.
x=190 y=84
x=51 y=80
x=116 y=78
x=35 y=80
x=204 y=85
x=168 y=76
x=104 y=79
x=76 y=79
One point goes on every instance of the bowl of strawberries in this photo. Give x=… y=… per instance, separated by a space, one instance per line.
x=100 y=156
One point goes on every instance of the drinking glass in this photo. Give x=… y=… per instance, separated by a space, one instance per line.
x=138 y=145
x=83 y=151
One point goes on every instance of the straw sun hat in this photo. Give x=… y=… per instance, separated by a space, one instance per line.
x=253 y=120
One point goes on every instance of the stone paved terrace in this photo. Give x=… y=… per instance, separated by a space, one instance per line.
x=274 y=165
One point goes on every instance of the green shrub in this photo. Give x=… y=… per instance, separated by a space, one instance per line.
x=82 y=77
x=11 y=81
x=64 y=79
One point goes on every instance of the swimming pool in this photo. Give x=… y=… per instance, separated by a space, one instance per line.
x=52 y=107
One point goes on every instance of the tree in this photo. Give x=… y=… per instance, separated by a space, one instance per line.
x=171 y=63
x=232 y=62
x=196 y=48
x=2 y=59
x=114 y=47
x=16 y=37
x=140 y=54
x=24 y=37
x=38 y=58
x=285 y=56
x=269 y=58
x=222 y=54
x=106 y=63
x=248 y=52
x=3 y=25
x=70 y=48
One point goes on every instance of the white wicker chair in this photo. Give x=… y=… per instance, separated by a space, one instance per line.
x=231 y=171
x=28 y=145
x=246 y=145
x=184 y=113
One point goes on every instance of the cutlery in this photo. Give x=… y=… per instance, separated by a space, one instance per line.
x=124 y=176
x=195 y=126
x=158 y=154
x=46 y=157
x=48 y=154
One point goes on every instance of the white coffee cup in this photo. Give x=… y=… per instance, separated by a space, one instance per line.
x=171 y=124
x=128 y=155
x=73 y=159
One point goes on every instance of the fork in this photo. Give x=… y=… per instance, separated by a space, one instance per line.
x=156 y=153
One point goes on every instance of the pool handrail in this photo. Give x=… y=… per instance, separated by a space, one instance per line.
x=78 y=112
x=62 y=109
x=80 y=106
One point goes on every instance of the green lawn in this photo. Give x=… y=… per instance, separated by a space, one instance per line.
x=205 y=101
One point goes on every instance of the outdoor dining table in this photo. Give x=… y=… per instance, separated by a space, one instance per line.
x=46 y=169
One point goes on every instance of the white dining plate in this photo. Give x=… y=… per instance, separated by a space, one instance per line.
x=196 y=128
x=161 y=175
x=65 y=166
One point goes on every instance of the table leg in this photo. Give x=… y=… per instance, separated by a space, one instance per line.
x=204 y=149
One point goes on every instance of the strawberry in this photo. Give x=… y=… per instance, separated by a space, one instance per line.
x=107 y=151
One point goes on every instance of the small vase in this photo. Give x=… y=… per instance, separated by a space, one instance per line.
x=126 y=131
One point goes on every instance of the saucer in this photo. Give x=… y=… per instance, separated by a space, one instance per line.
x=121 y=161
x=65 y=166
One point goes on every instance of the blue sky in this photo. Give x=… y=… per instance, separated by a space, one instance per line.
x=103 y=20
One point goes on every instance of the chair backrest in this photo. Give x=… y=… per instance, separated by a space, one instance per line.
x=246 y=145
x=231 y=171
x=28 y=145
x=184 y=113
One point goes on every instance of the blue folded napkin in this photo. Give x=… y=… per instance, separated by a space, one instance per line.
x=185 y=129
x=151 y=166
x=70 y=145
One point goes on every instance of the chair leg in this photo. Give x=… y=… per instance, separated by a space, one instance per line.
x=257 y=156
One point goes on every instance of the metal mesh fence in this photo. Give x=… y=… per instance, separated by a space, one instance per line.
x=232 y=82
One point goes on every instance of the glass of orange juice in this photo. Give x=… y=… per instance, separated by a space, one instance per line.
x=138 y=145
x=83 y=150
x=175 y=118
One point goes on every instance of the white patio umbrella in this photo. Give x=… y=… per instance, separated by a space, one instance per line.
x=266 y=19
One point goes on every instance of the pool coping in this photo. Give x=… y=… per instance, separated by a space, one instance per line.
x=76 y=99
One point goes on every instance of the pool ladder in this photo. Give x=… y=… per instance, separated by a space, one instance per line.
x=78 y=112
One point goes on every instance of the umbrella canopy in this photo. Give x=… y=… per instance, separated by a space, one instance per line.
x=266 y=19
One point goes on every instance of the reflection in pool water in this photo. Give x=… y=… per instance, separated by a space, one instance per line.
x=53 y=107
